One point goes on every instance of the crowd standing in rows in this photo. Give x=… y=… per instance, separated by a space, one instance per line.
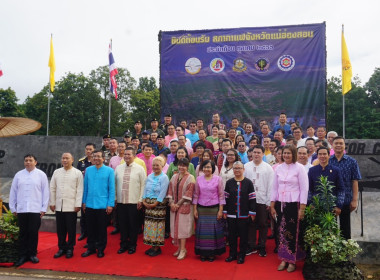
x=217 y=183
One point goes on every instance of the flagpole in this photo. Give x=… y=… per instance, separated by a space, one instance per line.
x=109 y=107
x=343 y=103
x=48 y=113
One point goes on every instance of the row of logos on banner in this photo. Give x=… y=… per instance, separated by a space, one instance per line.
x=285 y=63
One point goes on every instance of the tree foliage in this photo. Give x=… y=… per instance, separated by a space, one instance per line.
x=362 y=116
x=8 y=104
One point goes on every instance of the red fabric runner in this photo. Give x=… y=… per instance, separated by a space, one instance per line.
x=164 y=265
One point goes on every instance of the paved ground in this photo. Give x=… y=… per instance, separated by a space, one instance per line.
x=32 y=274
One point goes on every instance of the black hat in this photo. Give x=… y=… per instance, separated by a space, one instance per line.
x=168 y=115
x=135 y=137
x=160 y=136
x=154 y=120
x=126 y=135
x=137 y=122
x=107 y=136
x=145 y=132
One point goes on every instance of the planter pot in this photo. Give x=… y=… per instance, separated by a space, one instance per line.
x=338 y=271
x=8 y=251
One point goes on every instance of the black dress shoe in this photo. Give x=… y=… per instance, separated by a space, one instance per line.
x=122 y=250
x=240 y=260
x=88 y=253
x=100 y=254
x=132 y=250
x=211 y=259
x=147 y=252
x=115 y=231
x=155 y=253
x=82 y=236
x=34 y=259
x=230 y=259
x=69 y=254
x=59 y=254
x=21 y=261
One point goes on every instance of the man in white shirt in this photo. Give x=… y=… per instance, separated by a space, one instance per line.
x=130 y=182
x=28 y=199
x=66 y=191
x=303 y=157
x=261 y=174
x=297 y=133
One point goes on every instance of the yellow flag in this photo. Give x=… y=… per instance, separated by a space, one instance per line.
x=346 y=68
x=52 y=66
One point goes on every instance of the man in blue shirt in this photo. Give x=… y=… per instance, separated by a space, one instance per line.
x=193 y=135
x=351 y=174
x=282 y=124
x=332 y=173
x=98 y=202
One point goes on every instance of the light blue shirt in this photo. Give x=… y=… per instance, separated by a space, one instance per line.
x=192 y=137
x=156 y=186
x=99 y=187
x=243 y=157
x=29 y=192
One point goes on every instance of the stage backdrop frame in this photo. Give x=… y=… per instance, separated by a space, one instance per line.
x=251 y=73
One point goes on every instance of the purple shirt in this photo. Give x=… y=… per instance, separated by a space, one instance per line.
x=208 y=193
x=290 y=184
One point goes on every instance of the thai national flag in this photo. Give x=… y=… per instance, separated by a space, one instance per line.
x=113 y=73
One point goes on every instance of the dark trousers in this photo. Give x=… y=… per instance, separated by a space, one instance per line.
x=345 y=221
x=260 y=224
x=128 y=224
x=167 y=220
x=66 y=226
x=96 y=221
x=236 y=228
x=29 y=224
x=83 y=227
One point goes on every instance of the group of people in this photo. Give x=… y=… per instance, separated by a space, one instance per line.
x=221 y=185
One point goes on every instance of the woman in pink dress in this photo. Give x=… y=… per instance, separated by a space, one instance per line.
x=180 y=194
x=288 y=202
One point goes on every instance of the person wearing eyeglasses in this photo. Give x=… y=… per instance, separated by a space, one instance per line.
x=226 y=172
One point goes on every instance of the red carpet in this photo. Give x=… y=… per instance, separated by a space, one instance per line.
x=164 y=265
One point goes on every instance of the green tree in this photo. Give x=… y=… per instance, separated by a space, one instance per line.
x=147 y=84
x=75 y=106
x=361 y=117
x=119 y=107
x=8 y=104
x=36 y=107
x=373 y=88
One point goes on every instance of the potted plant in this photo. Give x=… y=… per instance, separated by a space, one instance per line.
x=329 y=254
x=9 y=232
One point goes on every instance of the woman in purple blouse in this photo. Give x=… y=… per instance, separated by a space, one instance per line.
x=208 y=201
x=288 y=202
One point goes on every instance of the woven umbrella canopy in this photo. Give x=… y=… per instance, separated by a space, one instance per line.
x=10 y=126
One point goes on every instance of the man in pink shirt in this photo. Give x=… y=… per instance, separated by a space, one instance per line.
x=171 y=135
x=117 y=160
x=147 y=156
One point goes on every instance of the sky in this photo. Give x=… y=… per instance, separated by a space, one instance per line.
x=82 y=31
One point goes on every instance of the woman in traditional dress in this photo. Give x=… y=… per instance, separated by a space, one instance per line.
x=288 y=202
x=154 y=200
x=180 y=194
x=208 y=201
x=226 y=172
x=207 y=155
x=173 y=167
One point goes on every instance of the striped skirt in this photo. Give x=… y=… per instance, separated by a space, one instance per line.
x=209 y=234
x=154 y=224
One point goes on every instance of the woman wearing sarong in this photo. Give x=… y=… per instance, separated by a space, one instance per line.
x=154 y=201
x=288 y=202
x=208 y=201
x=180 y=194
